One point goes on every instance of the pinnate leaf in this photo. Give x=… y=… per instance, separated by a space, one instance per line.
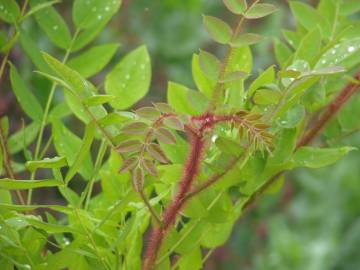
x=129 y=146
x=156 y=152
x=259 y=11
x=236 y=6
x=219 y=30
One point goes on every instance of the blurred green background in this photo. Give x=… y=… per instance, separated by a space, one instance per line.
x=314 y=222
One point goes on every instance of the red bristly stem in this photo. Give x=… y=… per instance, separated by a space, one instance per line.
x=196 y=130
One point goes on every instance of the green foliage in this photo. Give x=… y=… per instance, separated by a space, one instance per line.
x=242 y=131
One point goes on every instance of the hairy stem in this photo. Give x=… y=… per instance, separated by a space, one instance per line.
x=191 y=170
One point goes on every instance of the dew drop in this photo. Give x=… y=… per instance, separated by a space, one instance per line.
x=93 y=9
x=333 y=51
x=107 y=8
x=127 y=76
x=142 y=66
x=26 y=266
x=1 y=7
x=323 y=61
x=55 y=27
x=123 y=85
x=283 y=122
x=213 y=138
x=337 y=46
x=99 y=17
x=351 y=49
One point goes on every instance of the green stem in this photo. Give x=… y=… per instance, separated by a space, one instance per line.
x=92 y=241
x=98 y=162
x=46 y=113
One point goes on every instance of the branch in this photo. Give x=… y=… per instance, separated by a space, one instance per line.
x=328 y=114
x=330 y=111
x=191 y=170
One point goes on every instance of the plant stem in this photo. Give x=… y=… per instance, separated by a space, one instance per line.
x=331 y=110
x=216 y=177
x=92 y=241
x=151 y=209
x=191 y=170
x=46 y=113
x=98 y=162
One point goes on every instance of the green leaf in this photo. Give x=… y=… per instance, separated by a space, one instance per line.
x=228 y=146
x=39 y=7
x=32 y=51
x=9 y=11
x=83 y=152
x=203 y=83
x=236 y=6
x=260 y=10
x=69 y=145
x=178 y=97
x=246 y=39
x=91 y=13
x=309 y=17
x=56 y=162
x=72 y=78
x=191 y=260
x=219 y=30
x=266 y=77
x=266 y=97
x=97 y=100
x=292 y=117
x=13 y=184
x=209 y=65
x=23 y=138
x=27 y=100
x=216 y=234
x=309 y=46
x=93 y=60
x=312 y=157
x=282 y=52
x=51 y=22
x=339 y=54
x=129 y=81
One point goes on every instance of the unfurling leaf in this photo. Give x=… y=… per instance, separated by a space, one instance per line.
x=149 y=166
x=129 y=146
x=165 y=136
x=156 y=152
x=174 y=123
x=129 y=164
x=219 y=30
x=135 y=128
x=236 y=6
x=259 y=11
x=138 y=178
x=150 y=113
